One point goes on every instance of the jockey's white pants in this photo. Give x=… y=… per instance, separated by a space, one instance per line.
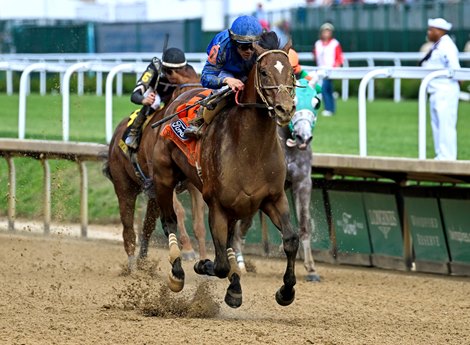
x=444 y=107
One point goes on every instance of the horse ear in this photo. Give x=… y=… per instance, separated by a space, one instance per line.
x=258 y=49
x=288 y=46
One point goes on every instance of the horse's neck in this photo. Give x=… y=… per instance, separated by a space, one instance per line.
x=284 y=132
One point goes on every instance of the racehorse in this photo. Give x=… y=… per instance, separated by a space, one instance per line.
x=296 y=140
x=241 y=170
x=127 y=185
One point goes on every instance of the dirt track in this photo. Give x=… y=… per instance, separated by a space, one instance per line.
x=60 y=290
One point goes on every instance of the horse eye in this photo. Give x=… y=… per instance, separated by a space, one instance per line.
x=264 y=73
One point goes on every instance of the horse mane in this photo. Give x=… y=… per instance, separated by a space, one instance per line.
x=269 y=40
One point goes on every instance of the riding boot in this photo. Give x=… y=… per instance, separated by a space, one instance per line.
x=195 y=126
x=135 y=130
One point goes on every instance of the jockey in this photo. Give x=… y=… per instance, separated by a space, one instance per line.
x=230 y=59
x=306 y=95
x=145 y=92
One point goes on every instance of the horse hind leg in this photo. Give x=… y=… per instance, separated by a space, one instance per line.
x=302 y=206
x=187 y=252
x=241 y=229
x=278 y=211
x=151 y=216
x=126 y=199
x=169 y=224
x=197 y=210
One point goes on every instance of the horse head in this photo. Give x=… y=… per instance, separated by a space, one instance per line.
x=303 y=123
x=274 y=81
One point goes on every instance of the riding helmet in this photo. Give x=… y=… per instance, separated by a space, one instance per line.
x=245 y=29
x=174 y=58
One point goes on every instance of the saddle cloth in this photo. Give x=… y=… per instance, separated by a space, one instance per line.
x=124 y=148
x=190 y=147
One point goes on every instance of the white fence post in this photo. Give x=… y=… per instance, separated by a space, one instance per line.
x=66 y=97
x=371 y=90
x=109 y=96
x=397 y=84
x=362 y=106
x=345 y=84
x=422 y=109
x=24 y=79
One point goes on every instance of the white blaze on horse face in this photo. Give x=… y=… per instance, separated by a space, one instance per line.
x=279 y=66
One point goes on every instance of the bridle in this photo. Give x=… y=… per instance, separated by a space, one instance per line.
x=259 y=88
x=302 y=115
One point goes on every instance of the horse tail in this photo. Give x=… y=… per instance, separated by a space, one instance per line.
x=106 y=171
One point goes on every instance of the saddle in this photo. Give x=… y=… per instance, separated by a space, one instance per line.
x=191 y=111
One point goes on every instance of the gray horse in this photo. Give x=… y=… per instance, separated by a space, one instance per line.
x=298 y=154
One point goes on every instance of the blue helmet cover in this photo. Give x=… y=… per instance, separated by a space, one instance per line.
x=245 y=29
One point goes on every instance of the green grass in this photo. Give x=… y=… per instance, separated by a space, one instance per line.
x=392 y=131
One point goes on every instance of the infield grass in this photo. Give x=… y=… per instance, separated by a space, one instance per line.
x=392 y=130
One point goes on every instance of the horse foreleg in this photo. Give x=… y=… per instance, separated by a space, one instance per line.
x=197 y=209
x=151 y=216
x=302 y=192
x=169 y=225
x=278 y=211
x=187 y=249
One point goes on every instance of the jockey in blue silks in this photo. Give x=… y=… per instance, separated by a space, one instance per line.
x=230 y=59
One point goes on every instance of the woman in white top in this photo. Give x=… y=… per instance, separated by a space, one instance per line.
x=328 y=54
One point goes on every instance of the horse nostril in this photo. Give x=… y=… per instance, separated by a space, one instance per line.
x=279 y=108
x=309 y=140
x=299 y=138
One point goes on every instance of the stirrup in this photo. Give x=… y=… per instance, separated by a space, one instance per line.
x=193 y=131
x=132 y=139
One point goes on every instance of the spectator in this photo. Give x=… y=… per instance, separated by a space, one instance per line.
x=444 y=92
x=327 y=53
x=260 y=14
x=282 y=30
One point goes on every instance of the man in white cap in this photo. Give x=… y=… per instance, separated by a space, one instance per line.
x=444 y=92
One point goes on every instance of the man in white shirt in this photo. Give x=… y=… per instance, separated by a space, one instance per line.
x=444 y=92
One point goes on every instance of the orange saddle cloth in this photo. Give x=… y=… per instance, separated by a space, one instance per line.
x=175 y=132
x=175 y=129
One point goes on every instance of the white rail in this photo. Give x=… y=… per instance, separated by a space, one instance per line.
x=365 y=74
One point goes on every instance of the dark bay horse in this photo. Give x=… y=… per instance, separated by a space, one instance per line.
x=242 y=169
x=128 y=186
x=296 y=139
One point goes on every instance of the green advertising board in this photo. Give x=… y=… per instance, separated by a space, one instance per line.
x=456 y=216
x=320 y=231
x=384 y=224
x=349 y=222
x=424 y=221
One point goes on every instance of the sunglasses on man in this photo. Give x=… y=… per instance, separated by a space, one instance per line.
x=245 y=46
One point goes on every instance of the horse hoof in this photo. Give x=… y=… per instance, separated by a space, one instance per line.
x=312 y=277
x=175 y=284
x=188 y=255
x=282 y=300
x=233 y=297
x=204 y=267
x=233 y=300
x=209 y=268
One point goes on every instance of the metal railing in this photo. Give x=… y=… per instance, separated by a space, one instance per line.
x=365 y=74
x=44 y=151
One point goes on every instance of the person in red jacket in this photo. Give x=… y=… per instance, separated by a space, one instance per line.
x=327 y=53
